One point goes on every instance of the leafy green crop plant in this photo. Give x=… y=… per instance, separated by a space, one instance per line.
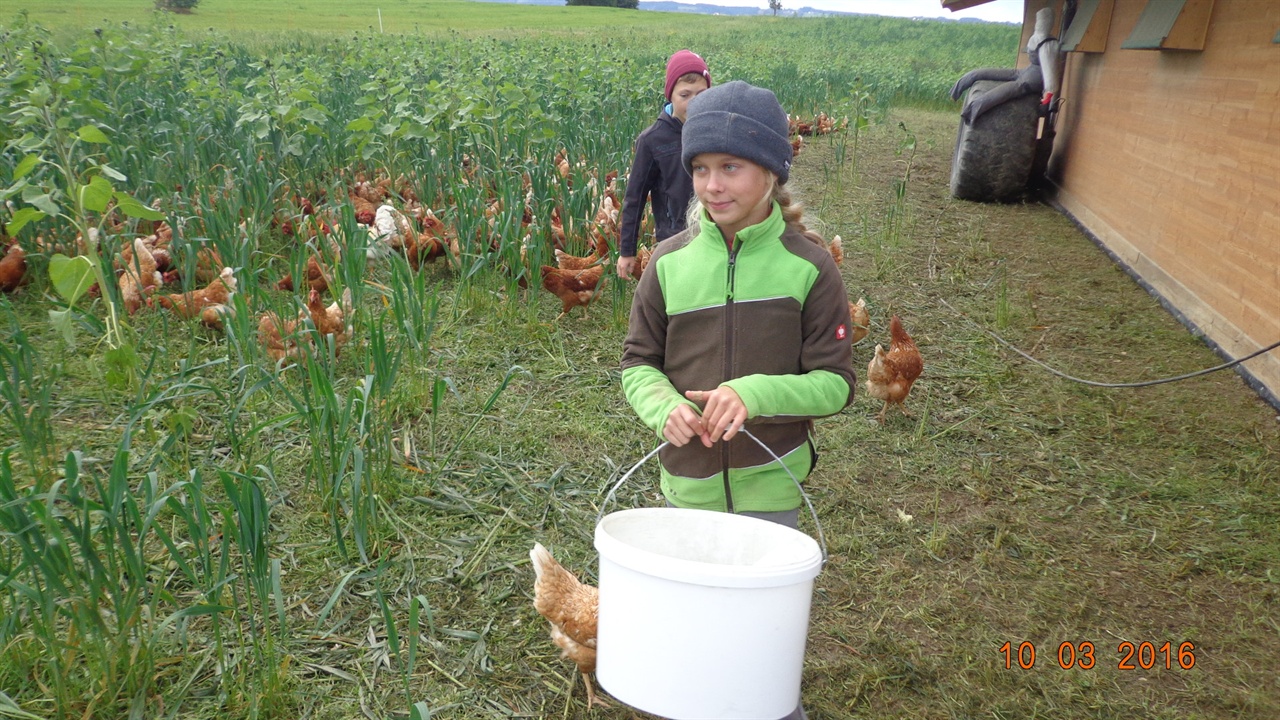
x=64 y=173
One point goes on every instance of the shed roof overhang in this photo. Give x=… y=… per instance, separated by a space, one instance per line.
x=954 y=5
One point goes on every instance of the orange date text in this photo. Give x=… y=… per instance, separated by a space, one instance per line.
x=1084 y=655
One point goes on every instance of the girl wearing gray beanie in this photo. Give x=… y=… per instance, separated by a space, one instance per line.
x=741 y=320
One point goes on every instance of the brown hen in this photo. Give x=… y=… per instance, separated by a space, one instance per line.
x=333 y=320
x=208 y=264
x=565 y=261
x=861 y=320
x=424 y=249
x=214 y=316
x=139 y=278
x=189 y=305
x=431 y=243
x=365 y=210
x=573 y=609
x=317 y=277
x=13 y=268
x=156 y=243
x=890 y=375
x=836 y=248
x=573 y=287
x=642 y=261
x=278 y=337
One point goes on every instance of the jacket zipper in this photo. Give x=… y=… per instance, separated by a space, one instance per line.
x=728 y=362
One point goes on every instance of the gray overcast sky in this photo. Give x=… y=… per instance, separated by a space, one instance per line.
x=999 y=10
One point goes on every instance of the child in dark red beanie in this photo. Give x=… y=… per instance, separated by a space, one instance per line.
x=657 y=174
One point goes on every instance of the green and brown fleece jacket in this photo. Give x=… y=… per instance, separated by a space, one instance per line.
x=770 y=319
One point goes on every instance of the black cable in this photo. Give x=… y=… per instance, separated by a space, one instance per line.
x=1095 y=383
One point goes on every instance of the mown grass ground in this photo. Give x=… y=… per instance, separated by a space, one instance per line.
x=1013 y=506
x=1042 y=510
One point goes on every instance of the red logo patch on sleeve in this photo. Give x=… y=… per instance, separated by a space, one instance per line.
x=841 y=332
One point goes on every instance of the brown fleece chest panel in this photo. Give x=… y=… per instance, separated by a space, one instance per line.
x=762 y=337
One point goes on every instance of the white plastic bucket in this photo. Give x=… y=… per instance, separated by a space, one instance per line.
x=703 y=615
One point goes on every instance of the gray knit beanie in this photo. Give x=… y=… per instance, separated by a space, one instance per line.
x=738 y=119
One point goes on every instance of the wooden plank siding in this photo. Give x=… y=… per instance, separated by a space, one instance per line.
x=1171 y=159
x=1088 y=31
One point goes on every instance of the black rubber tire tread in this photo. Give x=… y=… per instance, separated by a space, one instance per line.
x=993 y=156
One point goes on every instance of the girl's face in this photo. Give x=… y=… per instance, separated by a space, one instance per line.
x=736 y=193
x=685 y=90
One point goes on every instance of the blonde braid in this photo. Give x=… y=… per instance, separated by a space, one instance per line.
x=793 y=214
x=693 y=216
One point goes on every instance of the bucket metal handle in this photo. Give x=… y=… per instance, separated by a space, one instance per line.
x=822 y=538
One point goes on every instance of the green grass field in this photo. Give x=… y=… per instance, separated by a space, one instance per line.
x=403 y=17
x=187 y=531
x=411 y=17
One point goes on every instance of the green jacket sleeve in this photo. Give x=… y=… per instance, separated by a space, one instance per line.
x=652 y=395
x=815 y=394
x=648 y=389
x=826 y=382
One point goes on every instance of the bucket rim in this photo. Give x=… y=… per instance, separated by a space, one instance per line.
x=709 y=574
x=822 y=538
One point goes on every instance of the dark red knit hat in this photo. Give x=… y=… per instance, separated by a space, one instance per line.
x=683 y=63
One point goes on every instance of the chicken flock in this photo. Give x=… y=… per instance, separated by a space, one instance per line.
x=397 y=222
x=190 y=280
x=822 y=124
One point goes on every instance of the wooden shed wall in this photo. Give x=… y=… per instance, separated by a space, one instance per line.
x=1172 y=160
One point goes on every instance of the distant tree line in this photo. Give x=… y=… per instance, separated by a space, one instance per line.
x=625 y=4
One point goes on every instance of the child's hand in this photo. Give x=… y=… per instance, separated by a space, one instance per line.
x=723 y=413
x=683 y=425
x=626 y=265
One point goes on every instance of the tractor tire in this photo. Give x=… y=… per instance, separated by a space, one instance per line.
x=993 y=156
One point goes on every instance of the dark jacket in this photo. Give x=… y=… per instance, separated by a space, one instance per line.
x=769 y=319
x=658 y=176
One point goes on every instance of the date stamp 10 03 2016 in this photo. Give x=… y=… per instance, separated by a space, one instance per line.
x=1084 y=655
